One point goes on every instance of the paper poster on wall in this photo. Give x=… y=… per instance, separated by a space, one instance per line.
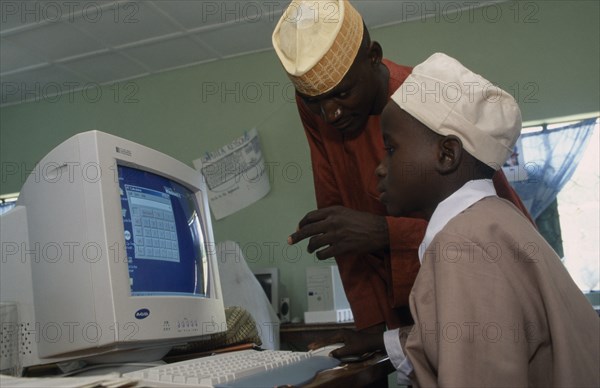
x=235 y=175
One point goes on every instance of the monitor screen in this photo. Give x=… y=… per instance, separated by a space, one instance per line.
x=163 y=235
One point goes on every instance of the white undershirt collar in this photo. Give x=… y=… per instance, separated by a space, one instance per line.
x=467 y=195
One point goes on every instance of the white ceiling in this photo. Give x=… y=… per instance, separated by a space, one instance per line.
x=58 y=46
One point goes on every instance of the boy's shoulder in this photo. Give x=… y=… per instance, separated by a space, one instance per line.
x=490 y=225
x=490 y=215
x=490 y=237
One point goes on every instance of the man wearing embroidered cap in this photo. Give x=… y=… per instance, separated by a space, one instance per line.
x=492 y=303
x=342 y=85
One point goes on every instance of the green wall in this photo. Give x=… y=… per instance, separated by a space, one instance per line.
x=545 y=53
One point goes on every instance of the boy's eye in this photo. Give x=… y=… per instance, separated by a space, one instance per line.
x=389 y=150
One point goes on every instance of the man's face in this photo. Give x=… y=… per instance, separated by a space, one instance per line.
x=407 y=173
x=348 y=106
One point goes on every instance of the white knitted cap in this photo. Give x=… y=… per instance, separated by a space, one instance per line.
x=452 y=100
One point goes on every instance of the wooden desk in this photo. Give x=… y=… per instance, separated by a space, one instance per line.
x=370 y=373
x=297 y=336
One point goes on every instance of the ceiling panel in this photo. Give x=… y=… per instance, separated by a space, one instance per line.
x=207 y=14
x=127 y=23
x=55 y=41
x=104 y=68
x=176 y=52
x=14 y=57
x=239 y=38
x=17 y=14
x=191 y=14
x=42 y=41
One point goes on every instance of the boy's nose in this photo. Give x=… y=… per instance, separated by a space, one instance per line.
x=380 y=171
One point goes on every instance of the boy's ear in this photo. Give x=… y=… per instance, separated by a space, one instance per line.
x=450 y=152
x=375 y=53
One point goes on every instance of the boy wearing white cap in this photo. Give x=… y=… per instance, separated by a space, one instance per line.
x=493 y=305
x=342 y=85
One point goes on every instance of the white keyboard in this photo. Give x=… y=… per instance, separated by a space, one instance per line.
x=228 y=368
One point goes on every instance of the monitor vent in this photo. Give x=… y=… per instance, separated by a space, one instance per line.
x=9 y=346
x=25 y=337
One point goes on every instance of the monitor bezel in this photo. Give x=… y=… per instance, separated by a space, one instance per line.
x=104 y=296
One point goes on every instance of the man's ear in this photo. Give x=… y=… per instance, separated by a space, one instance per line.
x=450 y=153
x=375 y=53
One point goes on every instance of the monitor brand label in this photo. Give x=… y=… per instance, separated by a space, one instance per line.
x=142 y=313
x=169 y=191
x=123 y=151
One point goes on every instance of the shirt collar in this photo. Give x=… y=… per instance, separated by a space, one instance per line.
x=449 y=208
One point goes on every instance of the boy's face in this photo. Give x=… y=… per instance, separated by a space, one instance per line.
x=407 y=174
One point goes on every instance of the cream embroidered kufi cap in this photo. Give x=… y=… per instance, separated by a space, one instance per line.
x=452 y=100
x=316 y=42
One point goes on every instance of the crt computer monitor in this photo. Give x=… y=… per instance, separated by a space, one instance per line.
x=109 y=254
x=268 y=278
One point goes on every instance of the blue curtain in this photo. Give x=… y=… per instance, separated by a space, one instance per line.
x=550 y=159
x=6 y=206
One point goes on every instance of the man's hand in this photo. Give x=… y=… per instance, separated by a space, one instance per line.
x=356 y=343
x=338 y=230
